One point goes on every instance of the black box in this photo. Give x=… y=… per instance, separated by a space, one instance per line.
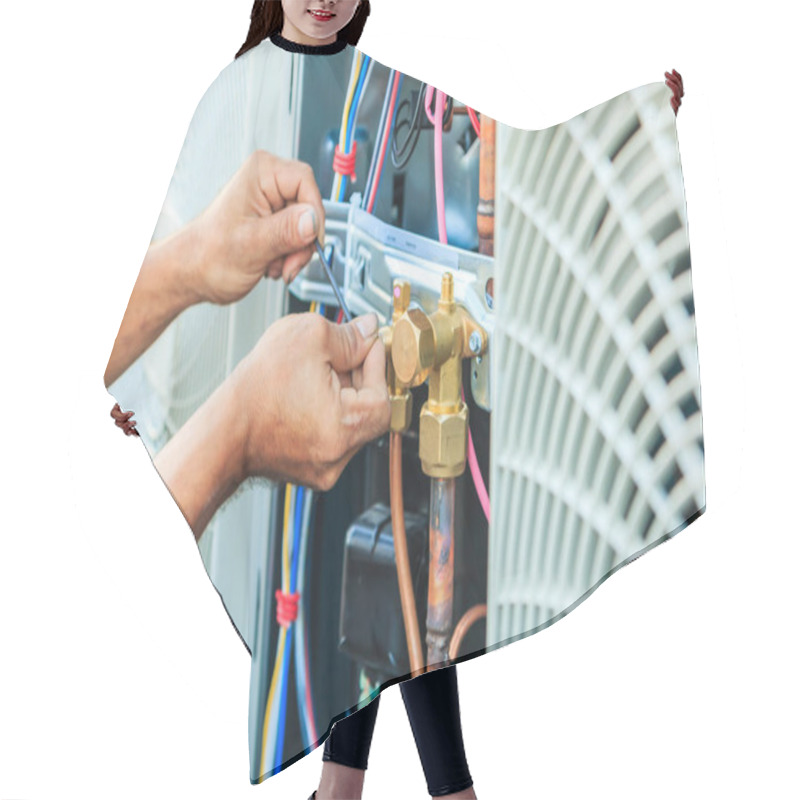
x=371 y=629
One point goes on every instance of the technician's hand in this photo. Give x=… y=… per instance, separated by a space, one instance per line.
x=124 y=420
x=262 y=224
x=297 y=408
x=314 y=393
x=675 y=82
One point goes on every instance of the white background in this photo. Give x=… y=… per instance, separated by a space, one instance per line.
x=120 y=674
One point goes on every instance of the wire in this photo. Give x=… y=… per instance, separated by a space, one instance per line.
x=298 y=526
x=298 y=492
x=337 y=190
x=363 y=78
x=302 y=658
x=269 y=727
x=360 y=73
x=474 y=118
x=399 y=156
x=277 y=724
x=385 y=142
x=282 y=712
x=475 y=471
x=301 y=644
x=351 y=121
x=297 y=509
x=270 y=720
x=309 y=704
x=373 y=163
x=431 y=115
x=438 y=161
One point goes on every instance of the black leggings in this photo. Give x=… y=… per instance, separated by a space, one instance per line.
x=432 y=706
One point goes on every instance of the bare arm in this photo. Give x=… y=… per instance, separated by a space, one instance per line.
x=202 y=465
x=162 y=290
x=297 y=408
x=262 y=224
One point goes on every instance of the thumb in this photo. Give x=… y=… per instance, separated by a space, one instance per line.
x=350 y=343
x=289 y=230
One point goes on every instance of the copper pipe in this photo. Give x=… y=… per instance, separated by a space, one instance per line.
x=404 y=581
x=440 y=568
x=464 y=624
x=486 y=187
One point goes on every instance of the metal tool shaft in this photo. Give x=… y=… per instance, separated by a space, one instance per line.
x=329 y=272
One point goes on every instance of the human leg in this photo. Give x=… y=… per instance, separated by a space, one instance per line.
x=344 y=758
x=432 y=705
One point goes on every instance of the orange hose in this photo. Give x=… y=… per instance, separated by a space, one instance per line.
x=404 y=581
x=464 y=624
x=486 y=183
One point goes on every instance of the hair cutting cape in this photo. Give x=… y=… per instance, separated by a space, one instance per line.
x=569 y=255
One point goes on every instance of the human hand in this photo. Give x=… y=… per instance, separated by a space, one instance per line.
x=262 y=224
x=675 y=82
x=123 y=420
x=297 y=408
x=313 y=393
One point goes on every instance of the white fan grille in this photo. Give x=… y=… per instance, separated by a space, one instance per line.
x=597 y=443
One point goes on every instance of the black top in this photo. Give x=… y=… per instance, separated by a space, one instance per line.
x=311 y=49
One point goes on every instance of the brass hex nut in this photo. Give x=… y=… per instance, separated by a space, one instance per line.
x=401 y=412
x=413 y=347
x=443 y=442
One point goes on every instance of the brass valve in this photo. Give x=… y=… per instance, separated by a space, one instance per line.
x=413 y=347
x=399 y=395
x=432 y=347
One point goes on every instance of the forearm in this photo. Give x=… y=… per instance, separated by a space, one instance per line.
x=164 y=288
x=202 y=465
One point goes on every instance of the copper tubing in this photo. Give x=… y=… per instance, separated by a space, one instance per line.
x=404 y=581
x=440 y=568
x=486 y=171
x=464 y=624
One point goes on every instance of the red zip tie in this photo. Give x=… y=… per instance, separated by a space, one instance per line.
x=287 y=607
x=675 y=82
x=345 y=163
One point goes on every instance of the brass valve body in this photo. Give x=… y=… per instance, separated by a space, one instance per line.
x=432 y=347
x=399 y=395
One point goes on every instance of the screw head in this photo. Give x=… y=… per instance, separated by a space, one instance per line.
x=475 y=342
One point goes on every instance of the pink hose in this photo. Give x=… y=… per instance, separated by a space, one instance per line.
x=474 y=467
x=477 y=478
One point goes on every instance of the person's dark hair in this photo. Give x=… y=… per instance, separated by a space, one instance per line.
x=266 y=18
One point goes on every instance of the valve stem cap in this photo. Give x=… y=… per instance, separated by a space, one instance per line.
x=401 y=292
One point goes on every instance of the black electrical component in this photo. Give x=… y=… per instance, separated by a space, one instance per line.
x=371 y=629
